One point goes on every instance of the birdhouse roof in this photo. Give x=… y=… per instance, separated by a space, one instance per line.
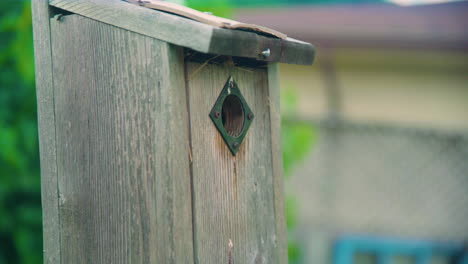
x=192 y=29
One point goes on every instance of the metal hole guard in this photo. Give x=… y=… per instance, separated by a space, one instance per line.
x=216 y=115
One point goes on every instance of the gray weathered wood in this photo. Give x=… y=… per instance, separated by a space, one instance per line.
x=205 y=17
x=277 y=160
x=250 y=45
x=133 y=170
x=188 y=33
x=233 y=196
x=122 y=145
x=46 y=120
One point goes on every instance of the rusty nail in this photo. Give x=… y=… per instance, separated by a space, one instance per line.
x=217 y=114
x=235 y=144
x=250 y=116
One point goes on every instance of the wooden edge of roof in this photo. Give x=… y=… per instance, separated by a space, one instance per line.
x=189 y=33
x=206 y=18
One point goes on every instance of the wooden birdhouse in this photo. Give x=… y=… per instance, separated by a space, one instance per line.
x=159 y=134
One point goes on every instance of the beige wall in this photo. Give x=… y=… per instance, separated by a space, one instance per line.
x=421 y=88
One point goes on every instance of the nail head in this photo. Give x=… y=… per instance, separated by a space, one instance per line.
x=266 y=53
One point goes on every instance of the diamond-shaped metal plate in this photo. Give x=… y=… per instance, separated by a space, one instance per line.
x=231 y=124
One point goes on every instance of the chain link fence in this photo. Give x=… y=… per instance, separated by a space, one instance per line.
x=381 y=179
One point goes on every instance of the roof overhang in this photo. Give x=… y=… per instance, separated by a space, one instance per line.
x=191 y=34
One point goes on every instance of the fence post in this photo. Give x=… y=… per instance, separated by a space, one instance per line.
x=159 y=136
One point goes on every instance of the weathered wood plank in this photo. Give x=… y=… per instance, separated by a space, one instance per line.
x=277 y=160
x=122 y=142
x=188 y=33
x=250 y=45
x=204 y=17
x=46 y=120
x=160 y=25
x=233 y=195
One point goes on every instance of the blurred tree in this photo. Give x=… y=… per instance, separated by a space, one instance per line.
x=20 y=201
x=297 y=139
x=222 y=8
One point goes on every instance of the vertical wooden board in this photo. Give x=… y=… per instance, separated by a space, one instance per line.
x=46 y=122
x=122 y=141
x=233 y=195
x=277 y=160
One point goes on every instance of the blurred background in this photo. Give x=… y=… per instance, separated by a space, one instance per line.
x=375 y=133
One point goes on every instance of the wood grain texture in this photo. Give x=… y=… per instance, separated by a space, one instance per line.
x=122 y=142
x=277 y=160
x=250 y=45
x=160 y=25
x=233 y=196
x=46 y=121
x=204 y=17
x=188 y=33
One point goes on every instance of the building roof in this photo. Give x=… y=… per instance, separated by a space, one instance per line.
x=443 y=26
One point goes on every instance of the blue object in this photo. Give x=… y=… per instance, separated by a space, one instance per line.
x=384 y=249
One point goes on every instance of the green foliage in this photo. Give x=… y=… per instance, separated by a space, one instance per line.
x=221 y=8
x=298 y=139
x=294 y=252
x=20 y=208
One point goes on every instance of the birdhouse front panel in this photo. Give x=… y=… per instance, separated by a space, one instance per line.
x=233 y=195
